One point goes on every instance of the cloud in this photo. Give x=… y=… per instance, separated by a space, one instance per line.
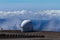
x=47 y=20
x=43 y=14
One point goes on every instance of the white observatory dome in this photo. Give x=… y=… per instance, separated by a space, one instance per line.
x=26 y=25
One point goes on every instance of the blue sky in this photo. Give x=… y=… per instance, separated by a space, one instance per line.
x=29 y=4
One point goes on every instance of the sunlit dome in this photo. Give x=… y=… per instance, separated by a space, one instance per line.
x=27 y=25
x=25 y=22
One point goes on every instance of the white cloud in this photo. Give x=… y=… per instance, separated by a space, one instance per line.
x=13 y=18
x=45 y=14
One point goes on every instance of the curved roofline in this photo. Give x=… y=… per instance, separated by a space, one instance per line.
x=24 y=22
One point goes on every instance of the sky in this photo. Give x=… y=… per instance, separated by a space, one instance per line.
x=29 y=4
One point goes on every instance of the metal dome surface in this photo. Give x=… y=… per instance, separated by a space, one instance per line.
x=25 y=22
x=26 y=25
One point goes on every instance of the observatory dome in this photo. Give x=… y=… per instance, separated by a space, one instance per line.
x=27 y=26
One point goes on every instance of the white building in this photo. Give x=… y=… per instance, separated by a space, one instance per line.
x=27 y=26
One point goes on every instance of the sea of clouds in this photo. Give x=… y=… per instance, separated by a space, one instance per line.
x=46 y=20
